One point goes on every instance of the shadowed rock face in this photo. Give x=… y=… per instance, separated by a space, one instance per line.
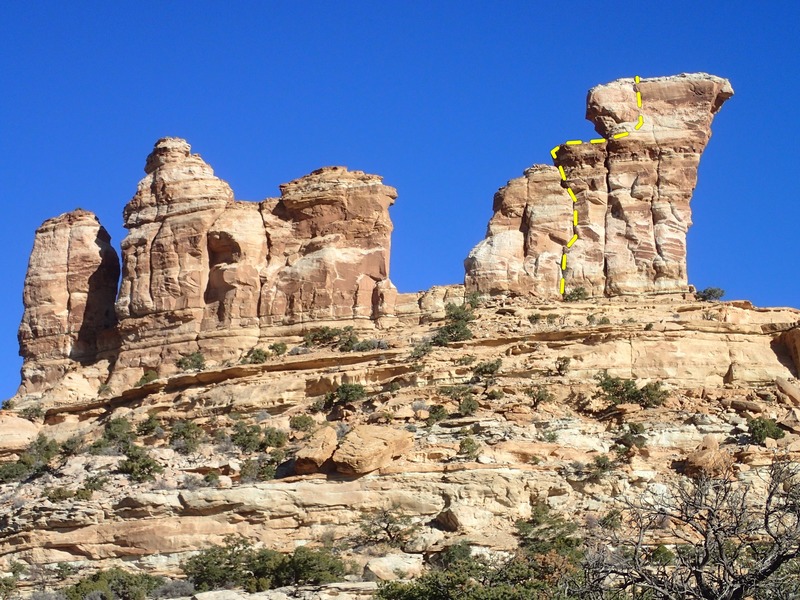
x=68 y=297
x=633 y=198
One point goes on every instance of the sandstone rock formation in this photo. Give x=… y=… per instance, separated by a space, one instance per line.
x=201 y=271
x=632 y=194
x=370 y=447
x=68 y=298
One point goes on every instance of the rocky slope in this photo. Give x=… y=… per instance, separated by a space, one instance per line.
x=376 y=418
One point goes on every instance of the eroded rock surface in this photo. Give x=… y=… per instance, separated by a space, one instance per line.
x=68 y=298
x=632 y=194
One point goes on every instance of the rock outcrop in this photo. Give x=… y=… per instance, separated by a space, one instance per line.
x=202 y=272
x=632 y=195
x=68 y=298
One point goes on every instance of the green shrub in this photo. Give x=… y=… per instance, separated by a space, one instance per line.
x=302 y=423
x=420 y=350
x=278 y=348
x=662 y=556
x=487 y=370
x=192 y=362
x=58 y=494
x=118 y=433
x=590 y=319
x=261 y=469
x=762 y=428
x=237 y=564
x=32 y=462
x=95 y=483
x=185 y=437
x=495 y=394
x=562 y=365
x=246 y=437
x=15 y=471
x=648 y=327
x=464 y=361
x=114 y=584
x=32 y=413
x=469 y=447
x=534 y=318
x=255 y=356
x=551 y=319
x=456 y=312
x=601 y=466
x=624 y=391
x=324 y=336
x=576 y=295
x=7 y=404
x=452 y=332
x=454 y=392
x=274 y=438
x=436 y=413
x=71 y=446
x=391 y=526
x=468 y=406
x=348 y=393
x=148 y=377
x=539 y=395
x=710 y=294
x=211 y=478
x=604 y=321
x=148 y=426
x=139 y=465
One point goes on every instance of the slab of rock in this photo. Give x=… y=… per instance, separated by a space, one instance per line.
x=394 y=566
x=632 y=195
x=317 y=450
x=790 y=389
x=708 y=459
x=16 y=434
x=369 y=447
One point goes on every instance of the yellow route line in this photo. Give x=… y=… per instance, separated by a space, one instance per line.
x=571 y=192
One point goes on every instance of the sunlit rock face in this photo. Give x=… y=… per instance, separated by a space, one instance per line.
x=633 y=197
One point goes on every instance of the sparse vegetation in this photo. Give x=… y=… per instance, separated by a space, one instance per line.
x=534 y=318
x=576 y=295
x=148 y=377
x=562 y=365
x=420 y=350
x=238 y=564
x=710 y=294
x=139 y=465
x=278 y=348
x=149 y=426
x=185 y=437
x=192 y=362
x=32 y=413
x=539 y=395
x=436 y=413
x=625 y=391
x=486 y=371
x=255 y=356
x=33 y=462
x=302 y=423
x=457 y=328
x=469 y=448
x=468 y=406
x=389 y=525
x=246 y=437
x=466 y=360
x=762 y=428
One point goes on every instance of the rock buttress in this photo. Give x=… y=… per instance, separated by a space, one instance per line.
x=632 y=193
x=68 y=298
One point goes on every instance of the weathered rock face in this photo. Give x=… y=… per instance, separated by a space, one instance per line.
x=68 y=298
x=202 y=272
x=632 y=195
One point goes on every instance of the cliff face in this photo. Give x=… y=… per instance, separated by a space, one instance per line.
x=202 y=272
x=632 y=197
x=68 y=298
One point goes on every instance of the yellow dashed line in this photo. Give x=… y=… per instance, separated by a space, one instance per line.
x=570 y=191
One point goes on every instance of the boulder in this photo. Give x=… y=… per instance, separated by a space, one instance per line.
x=316 y=451
x=394 y=566
x=369 y=447
x=16 y=434
x=707 y=459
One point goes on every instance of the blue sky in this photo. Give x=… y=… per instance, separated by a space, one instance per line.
x=446 y=99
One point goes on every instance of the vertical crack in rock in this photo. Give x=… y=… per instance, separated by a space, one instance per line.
x=642 y=249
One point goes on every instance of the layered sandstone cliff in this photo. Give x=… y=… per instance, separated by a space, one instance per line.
x=201 y=271
x=632 y=197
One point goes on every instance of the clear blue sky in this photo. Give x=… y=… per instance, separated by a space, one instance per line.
x=446 y=99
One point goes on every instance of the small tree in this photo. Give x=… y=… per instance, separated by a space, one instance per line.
x=762 y=428
x=733 y=543
x=710 y=294
x=192 y=362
